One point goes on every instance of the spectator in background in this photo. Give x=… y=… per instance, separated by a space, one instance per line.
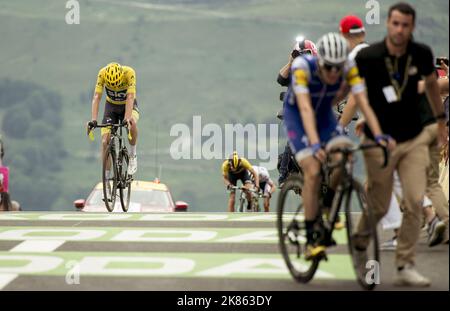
x=5 y=201
x=392 y=69
x=301 y=47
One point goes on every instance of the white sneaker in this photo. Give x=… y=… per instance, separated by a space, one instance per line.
x=436 y=231
x=410 y=277
x=132 y=165
x=389 y=245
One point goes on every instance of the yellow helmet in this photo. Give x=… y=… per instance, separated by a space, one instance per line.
x=234 y=160
x=113 y=75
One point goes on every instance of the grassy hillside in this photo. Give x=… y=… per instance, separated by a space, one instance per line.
x=217 y=59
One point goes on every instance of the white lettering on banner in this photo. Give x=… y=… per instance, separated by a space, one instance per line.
x=32 y=264
x=73 y=275
x=37 y=246
x=85 y=216
x=163 y=266
x=248 y=266
x=258 y=217
x=261 y=139
x=373 y=15
x=373 y=275
x=12 y=217
x=6 y=278
x=255 y=266
x=164 y=235
x=184 y=217
x=56 y=234
x=13 y=264
x=266 y=236
x=73 y=15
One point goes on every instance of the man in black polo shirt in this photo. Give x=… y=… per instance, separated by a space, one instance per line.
x=392 y=69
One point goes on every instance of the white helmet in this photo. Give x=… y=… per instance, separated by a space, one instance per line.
x=332 y=49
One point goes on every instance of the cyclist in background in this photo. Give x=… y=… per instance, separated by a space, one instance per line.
x=266 y=185
x=317 y=84
x=238 y=168
x=120 y=85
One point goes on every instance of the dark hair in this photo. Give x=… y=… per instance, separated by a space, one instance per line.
x=404 y=8
x=2 y=151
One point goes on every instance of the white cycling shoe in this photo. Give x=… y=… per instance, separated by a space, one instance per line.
x=132 y=165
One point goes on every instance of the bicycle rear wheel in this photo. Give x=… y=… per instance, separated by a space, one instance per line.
x=355 y=208
x=125 y=181
x=292 y=231
x=110 y=181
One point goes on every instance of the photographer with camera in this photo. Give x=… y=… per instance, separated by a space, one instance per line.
x=301 y=47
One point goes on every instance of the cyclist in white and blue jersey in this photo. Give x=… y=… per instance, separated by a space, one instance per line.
x=318 y=83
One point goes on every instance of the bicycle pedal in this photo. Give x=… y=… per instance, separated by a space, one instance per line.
x=331 y=242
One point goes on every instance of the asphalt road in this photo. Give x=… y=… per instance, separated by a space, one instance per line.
x=187 y=251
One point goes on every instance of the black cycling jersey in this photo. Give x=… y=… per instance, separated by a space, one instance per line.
x=392 y=87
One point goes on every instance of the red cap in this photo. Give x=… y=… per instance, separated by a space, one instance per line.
x=351 y=24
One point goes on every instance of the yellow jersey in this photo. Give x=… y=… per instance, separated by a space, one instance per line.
x=243 y=165
x=117 y=95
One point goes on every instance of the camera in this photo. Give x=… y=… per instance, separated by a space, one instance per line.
x=295 y=53
x=439 y=60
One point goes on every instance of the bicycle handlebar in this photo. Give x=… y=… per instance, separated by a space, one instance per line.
x=350 y=150
x=243 y=188
x=118 y=125
x=110 y=125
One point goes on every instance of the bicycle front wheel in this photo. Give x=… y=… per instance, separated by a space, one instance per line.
x=366 y=261
x=242 y=201
x=109 y=177
x=292 y=231
x=125 y=181
x=255 y=205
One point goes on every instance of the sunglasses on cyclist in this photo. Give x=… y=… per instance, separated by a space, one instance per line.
x=329 y=67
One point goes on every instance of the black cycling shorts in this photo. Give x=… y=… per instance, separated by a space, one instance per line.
x=243 y=176
x=117 y=112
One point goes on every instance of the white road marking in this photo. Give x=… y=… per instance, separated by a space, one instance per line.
x=6 y=278
x=37 y=246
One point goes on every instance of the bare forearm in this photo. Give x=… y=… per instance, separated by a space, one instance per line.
x=369 y=114
x=95 y=104
x=272 y=187
x=349 y=111
x=284 y=72
x=256 y=176
x=443 y=86
x=129 y=106
x=433 y=93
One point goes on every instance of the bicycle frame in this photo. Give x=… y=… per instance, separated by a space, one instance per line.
x=345 y=185
x=243 y=197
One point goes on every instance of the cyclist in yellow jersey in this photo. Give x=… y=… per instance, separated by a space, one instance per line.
x=236 y=168
x=120 y=85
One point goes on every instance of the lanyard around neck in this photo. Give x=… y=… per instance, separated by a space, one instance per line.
x=394 y=74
